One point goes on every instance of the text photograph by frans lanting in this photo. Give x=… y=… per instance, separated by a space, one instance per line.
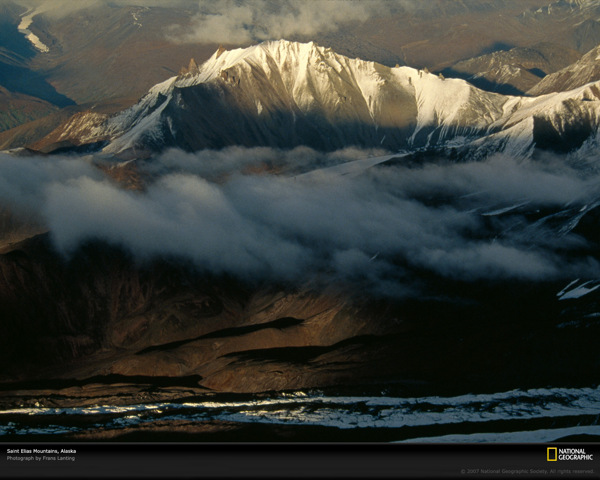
x=300 y=221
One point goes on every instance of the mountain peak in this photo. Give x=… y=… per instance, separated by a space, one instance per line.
x=220 y=51
x=191 y=69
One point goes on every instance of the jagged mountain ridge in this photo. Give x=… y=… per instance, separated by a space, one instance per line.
x=516 y=70
x=284 y=94
x=585 y=70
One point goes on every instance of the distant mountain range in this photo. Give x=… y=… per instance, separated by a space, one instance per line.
x=514 y=71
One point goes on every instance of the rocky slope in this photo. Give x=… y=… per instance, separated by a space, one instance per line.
x=16 y=109
x=585 y=70
x=515 y=71
x=102 y=327
x=163 y=320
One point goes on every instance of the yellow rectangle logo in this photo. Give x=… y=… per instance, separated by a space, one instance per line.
x=552 y=454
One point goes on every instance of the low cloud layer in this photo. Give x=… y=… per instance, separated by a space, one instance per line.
x=23 y=181
x=378 y=226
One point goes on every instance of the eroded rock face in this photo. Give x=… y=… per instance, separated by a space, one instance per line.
x=100 y=313
x=102 y=326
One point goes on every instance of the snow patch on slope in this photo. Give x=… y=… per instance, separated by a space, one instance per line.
x=573 y=290
x=140 y=119
x=26 y=21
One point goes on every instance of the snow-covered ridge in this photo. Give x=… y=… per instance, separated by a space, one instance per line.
x=307 y=79
x=310 y=73
x=292 y=93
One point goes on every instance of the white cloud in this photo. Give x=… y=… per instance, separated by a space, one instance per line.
x=243 y=22
x=374 y=228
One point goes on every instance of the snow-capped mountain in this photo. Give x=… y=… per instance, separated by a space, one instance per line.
x=285 y=94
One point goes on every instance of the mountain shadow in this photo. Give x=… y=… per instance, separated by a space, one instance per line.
x=13 y=44
x=15 y=52
x=23 y=80
x=484 y=83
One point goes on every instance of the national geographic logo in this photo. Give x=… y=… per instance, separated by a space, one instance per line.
x=555 y=454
